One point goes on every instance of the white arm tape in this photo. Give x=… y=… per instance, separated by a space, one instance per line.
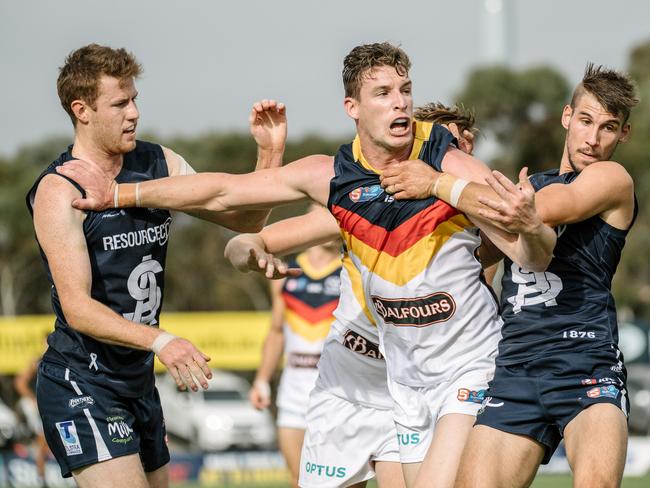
x=116 y=195
x=263 y=387
x=161 y=341
x=456 y=191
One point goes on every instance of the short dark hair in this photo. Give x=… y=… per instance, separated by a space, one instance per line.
x=439 y=113
x=614 y=90
x=368 y=56
x=80 y=74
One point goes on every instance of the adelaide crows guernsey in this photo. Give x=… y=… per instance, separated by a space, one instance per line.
x=569 y=307
x=127 y=250
x=310 y=300
x=418 y=266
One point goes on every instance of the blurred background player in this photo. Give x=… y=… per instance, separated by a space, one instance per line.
x=300 y=321
x=25 y=384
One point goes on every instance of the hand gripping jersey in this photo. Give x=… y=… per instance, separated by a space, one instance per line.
x=127 y=250
x=568 y=308
x=419 y=272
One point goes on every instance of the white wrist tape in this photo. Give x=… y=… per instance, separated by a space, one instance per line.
x=116 y=195
x=263 y=387
x=456 y=191
x=161 y=341
x=137 y=194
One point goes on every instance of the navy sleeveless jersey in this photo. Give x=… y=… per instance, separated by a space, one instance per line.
x=127 y=250
x=569 y=307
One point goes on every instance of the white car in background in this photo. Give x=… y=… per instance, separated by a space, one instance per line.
x=218 y=418
x=8 y=426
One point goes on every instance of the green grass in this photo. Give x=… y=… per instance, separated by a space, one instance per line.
x=546 y=481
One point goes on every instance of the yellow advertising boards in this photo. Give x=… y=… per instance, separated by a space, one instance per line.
x=232 y=339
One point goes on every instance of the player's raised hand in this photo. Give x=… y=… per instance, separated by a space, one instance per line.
x=515 y=210
x=187 y=365
x=99 y=186
x=268 y=126
x=271 y=267
x=411 y=179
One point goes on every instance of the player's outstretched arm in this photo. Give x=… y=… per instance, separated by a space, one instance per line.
x=59 y=230
x=214 y=192
x=604 y=188
x=258 y=252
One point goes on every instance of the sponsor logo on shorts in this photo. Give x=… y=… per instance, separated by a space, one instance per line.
x=68 y=432
x=415 y=312
x=471 y=396
x=589 y=381
x=81 y=402
x=408 y=439
x=361 y=345
x=603 y=391
x=118 y=430
x=365 y=193
x=325 y=470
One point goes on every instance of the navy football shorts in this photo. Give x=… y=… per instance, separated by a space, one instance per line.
x=85 y=423
x=539 y=398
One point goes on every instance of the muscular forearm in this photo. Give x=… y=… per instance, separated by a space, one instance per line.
x=98 y=321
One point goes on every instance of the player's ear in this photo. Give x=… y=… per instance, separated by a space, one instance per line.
x=80 y=110
x=625 y=133
x=351 y=106
x=566 y=116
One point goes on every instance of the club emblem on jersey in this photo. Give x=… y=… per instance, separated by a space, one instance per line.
x=415 y=312
x=365 y=193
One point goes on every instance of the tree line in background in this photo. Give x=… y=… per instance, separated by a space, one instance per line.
x=520 y=109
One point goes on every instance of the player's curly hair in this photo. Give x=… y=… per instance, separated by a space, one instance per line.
x=614 y=90
x=439 y=113
x=80 y=74
x=368 y=56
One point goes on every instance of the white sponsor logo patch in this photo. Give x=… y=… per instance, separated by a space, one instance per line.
x=68 y=432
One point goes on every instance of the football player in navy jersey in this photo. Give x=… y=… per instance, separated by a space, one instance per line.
x=559 y=371
x=101 y=413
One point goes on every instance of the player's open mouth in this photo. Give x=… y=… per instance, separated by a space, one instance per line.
x=400 y=126
x=129 y=131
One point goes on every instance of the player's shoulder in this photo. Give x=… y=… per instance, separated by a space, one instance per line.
x=56 y=187
x=317 y=164
x=610 y=173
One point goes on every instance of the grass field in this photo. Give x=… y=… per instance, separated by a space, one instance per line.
x=540 y=482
